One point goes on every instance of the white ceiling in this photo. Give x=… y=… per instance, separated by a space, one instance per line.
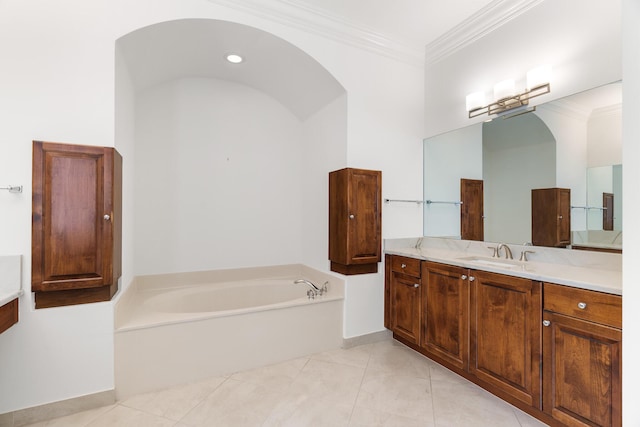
x=396 y=28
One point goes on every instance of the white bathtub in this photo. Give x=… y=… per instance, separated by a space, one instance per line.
x=177 y=328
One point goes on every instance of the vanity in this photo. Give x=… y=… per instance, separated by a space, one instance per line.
x=544 y=334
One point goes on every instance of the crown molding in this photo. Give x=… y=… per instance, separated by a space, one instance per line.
x=609 y=110
x=316 y=21
x=478 y=25
x=567 y=108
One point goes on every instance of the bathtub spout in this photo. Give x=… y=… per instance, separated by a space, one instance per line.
x=314 y=291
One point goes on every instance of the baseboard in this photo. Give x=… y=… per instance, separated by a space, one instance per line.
x=367 y=339
x=62 y=408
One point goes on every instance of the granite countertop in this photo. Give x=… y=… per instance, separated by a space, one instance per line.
x=589 y=273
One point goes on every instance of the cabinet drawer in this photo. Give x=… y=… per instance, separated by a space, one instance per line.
x=410 y=266
x=593 y=306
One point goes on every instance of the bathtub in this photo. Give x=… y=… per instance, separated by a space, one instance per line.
x=177 y=328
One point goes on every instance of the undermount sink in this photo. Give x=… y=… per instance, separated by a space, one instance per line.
x=493 y=262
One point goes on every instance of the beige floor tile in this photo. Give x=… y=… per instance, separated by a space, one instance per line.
x=527 y=420
x=81 y=419
x=176 y=402
x=121 y=416
x=276 y=377
x=296 y=411
x=235 y=404
x=370 y=417
x=355 y=356
x=457 y=402
x=388 y=356
x=331 y=382
x=395 y=393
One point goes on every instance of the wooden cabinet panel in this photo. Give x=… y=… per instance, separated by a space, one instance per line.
x=8 y=315
x=445 y=311
x=506 y=332
x=551 y=217
x=76 y=223
x=582 y=371
x=405 y=307
x=584 y=304
x=472 y=209
x=405 y=265
x=355 y=206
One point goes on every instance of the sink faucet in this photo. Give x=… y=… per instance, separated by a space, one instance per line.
x=507 y=251
x=314 y=291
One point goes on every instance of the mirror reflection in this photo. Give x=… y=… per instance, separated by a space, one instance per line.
x=573 y=143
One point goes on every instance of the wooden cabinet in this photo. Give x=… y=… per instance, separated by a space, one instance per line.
x=404 y=290
x=76 y=224
x=445 y=311
x=506 y=332
x=8 y=315
x=582 y=356
x=551 y=217
x=355 y=206
x=472 y=209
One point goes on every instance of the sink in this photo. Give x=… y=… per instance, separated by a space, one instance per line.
x=493 y=262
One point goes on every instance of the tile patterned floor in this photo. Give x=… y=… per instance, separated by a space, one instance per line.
x=381 y=384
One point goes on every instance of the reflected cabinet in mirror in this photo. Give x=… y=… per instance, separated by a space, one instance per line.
x=574 y=143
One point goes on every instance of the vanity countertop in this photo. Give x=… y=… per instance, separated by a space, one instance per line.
x=595 y=276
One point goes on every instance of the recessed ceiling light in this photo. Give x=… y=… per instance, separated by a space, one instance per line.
x=234 y=58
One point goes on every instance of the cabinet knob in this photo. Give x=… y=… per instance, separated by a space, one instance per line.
x=471 y=278
x=416 y=285
x=582 y=305
x=106 y=217
x=463 y=277
x=559 y=216
x=546 y=322
x=352 y=216
x=403 y=266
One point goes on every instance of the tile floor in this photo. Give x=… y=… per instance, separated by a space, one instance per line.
x=381 y=384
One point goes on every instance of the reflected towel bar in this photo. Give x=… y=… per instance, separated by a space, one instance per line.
x=446 y=203
x=588 y=207
x=404 y=201
x=13 y=188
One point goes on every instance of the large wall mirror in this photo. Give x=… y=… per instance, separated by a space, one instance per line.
x=573 y=143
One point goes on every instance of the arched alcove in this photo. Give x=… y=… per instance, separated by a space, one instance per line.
x=227 y=162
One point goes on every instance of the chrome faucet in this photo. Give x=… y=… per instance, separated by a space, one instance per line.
x=314 y=291
x=507 y=251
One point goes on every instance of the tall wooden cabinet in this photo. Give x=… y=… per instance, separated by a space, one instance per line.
x=76 y=224
x=355 y=216
x=551 y=217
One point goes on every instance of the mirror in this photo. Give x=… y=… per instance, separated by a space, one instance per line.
x=554 y=146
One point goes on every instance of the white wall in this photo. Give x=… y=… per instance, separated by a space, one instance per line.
x=58 y=84
x=631 y=205
x=216 y=180
x=605 y=138
x=583 y=50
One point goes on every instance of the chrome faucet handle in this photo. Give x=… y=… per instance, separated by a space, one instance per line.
x=495 y=253
x=523 y=255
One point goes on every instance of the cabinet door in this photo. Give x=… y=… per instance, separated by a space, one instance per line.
x=355 y=220
x=445 y=308
x=75 y=224
x=582 y=371
x=551 y=217
x=405 y=307
x=506 y=334
x=472 y=209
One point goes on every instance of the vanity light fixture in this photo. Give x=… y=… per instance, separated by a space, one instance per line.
x=505 y=95
x=234 y=58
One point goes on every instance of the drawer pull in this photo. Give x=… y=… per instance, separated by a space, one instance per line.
x=463 y=277
x=546 y=322
x=471 y=278
x=403 y=266
x=582 y=305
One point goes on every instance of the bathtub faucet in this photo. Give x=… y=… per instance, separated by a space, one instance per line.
x=314 y=291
